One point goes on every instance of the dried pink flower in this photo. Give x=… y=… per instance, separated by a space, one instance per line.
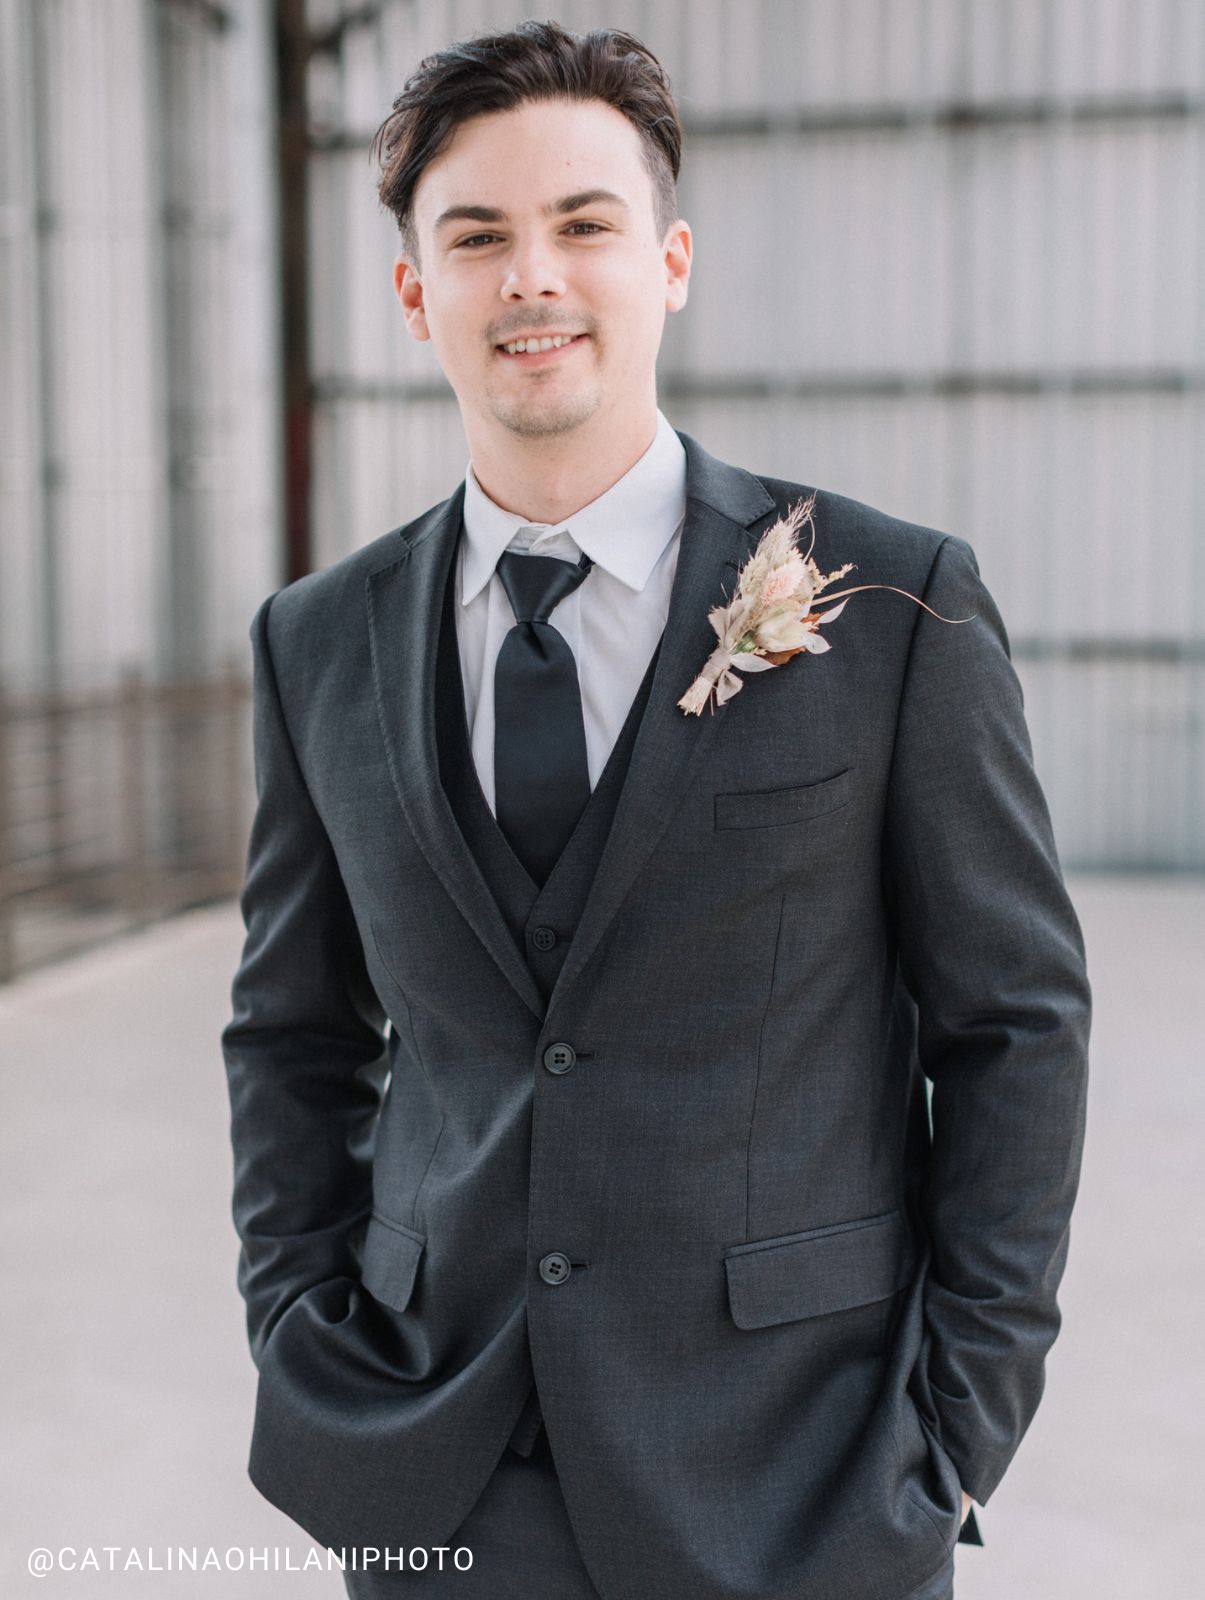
x=770 y=618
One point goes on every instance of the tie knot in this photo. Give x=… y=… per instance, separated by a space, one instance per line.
x=536 y=585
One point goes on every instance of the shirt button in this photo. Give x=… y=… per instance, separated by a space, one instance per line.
x=543 y=938
x=559 y=1057
x=555 y=1267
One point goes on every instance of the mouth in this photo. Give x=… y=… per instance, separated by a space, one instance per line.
x=540 y=358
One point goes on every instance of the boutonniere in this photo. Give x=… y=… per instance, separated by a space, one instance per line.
x=770 y=617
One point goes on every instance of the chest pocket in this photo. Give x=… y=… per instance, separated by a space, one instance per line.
x=775 y=808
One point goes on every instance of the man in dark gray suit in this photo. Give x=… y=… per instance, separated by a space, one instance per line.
x=594 y=1217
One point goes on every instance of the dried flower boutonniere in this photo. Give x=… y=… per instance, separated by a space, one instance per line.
x=770 y=619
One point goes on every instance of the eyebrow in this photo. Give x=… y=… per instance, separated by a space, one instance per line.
x=568 y=202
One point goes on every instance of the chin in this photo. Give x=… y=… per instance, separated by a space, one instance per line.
x=534 y=420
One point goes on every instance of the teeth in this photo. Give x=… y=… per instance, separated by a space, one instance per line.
x=530 y=346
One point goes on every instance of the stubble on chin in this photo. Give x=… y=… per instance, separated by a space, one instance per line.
x=536 y=417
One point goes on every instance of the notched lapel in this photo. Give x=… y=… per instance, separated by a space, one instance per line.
x=722 y=503
x=405 y=601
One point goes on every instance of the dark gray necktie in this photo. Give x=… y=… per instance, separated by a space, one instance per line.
x=541 y=775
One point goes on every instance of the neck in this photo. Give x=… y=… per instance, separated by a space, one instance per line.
x=551 y=478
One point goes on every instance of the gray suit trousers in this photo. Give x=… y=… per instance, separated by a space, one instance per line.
x=520 y=1536
x=523 y=1545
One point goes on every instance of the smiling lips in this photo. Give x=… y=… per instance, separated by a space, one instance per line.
x=537 y=350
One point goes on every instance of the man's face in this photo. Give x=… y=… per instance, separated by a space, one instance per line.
x=543 y=251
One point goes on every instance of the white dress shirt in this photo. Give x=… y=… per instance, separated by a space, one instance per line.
x=612 y=620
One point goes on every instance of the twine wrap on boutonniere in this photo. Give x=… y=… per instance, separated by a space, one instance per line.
x=770 y=619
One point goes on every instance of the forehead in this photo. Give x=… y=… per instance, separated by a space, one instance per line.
x=532 y=153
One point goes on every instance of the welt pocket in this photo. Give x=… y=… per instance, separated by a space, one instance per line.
x=389 y=1264
x=808 y=1274
x=773 y=808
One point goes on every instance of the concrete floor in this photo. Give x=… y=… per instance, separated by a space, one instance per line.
x=129 y=1387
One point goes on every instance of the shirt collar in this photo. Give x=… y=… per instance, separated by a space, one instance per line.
x=625 y=530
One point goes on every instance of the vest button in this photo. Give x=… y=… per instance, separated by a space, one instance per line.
x=559 y=1057
x=555 y=1267
x=543 y=938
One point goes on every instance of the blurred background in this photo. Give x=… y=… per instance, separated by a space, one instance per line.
x=949 y=260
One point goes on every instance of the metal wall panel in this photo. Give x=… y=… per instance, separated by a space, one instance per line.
x=139 y=459
x=139 y=455
x=90 y=327
x=23 y=572
x=219 y=269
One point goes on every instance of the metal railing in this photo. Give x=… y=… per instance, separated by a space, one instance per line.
x=118 y=807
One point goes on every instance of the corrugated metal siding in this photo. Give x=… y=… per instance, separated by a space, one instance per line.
x=22 y=392
x=138 y=453
x=83 y=223
x=949 y=260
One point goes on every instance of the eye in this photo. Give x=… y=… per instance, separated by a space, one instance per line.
x=476 y=238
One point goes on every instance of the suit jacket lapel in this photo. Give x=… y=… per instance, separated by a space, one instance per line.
x=721 y=503
x=404 y=601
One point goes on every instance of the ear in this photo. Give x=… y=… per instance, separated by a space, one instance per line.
x=408 y=287
x=676 y=249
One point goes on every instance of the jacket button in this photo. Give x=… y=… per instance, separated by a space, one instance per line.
x=543 y=938
x=555 y=1267
x=559 y=1057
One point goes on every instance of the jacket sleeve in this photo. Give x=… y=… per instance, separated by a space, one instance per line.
x=305 y=1052
x=992 y=955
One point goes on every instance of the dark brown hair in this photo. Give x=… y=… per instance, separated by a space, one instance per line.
x=533 y=61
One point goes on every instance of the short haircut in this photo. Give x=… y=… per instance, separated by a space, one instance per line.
x=499 y=71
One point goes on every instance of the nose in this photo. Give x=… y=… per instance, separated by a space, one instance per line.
x=532 y=272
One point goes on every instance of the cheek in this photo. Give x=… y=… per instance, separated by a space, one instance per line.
x=631 y=316
x=453 y=347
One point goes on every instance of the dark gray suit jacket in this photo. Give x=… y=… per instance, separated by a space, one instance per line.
x=677 y=1164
